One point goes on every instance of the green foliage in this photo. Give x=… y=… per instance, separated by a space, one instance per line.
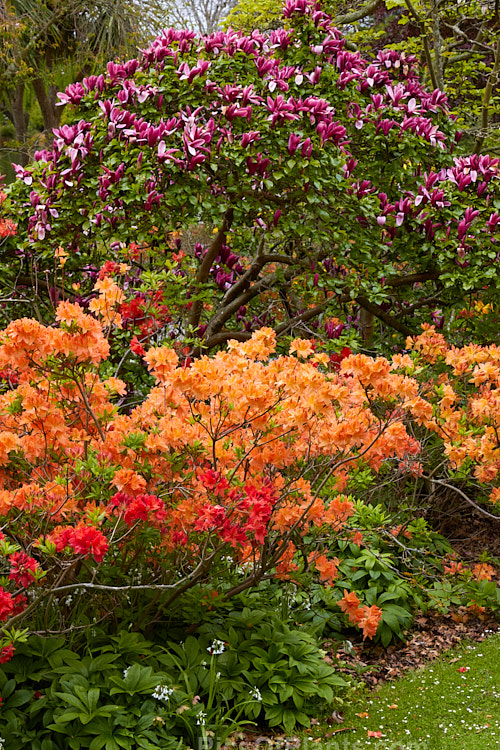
x=54 y=698
x=129 y=693
x=284 y=666
x=247 y=15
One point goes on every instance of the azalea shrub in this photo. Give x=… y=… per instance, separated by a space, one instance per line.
x=233 y=467
x=462 y=389
x=232 y=470
x=275 y=179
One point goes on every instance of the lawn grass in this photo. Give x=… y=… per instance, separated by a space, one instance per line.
x=452 y=704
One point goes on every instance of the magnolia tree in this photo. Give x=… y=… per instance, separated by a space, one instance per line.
x=273 y=178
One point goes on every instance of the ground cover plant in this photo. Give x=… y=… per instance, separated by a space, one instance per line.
x=452 y=703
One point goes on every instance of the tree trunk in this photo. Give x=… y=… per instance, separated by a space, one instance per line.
x=18 y=114
x=46 y=100
x=20 y=120
x=437 y=43
x=367 y=324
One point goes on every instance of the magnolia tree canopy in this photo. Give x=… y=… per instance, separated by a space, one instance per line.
x=274 y=178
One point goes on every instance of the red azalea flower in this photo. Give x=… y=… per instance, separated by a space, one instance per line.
x=22 y=568
x=6 y=653
x=7 y=604
x=87 y=540
x=137 y=347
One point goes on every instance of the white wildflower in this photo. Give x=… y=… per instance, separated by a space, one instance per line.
x=216 y=648
x=256 y=694
x=162 y=692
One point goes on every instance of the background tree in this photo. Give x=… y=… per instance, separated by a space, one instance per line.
x=457 y=45
x=45 y=45
x=203 y=16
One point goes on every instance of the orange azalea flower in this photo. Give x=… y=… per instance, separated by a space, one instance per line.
x=370 y=621
x=349 y=603
x=62 y=255
x=328 y=569
x=115 y=385
x=161 y=362
x=476 y=609
x=483 y=572
x=303 y=347
x=129 y=482
x=357 y=538
x=8 y=442
x=259 y=347
x=495 y=495
x=453 y=568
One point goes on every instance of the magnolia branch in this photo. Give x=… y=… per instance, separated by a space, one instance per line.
x=384 y=316
x=206 y=264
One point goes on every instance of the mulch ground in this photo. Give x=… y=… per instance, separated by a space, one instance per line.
x=471 y=534
x=430 y=636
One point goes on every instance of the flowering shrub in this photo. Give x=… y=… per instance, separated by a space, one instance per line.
x=269 y=178
x=239 y=458
x=464 y=393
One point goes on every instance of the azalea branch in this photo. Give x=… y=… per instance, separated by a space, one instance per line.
x=259 y=445
x=353 y=457
x=462 y=494
x=254 y=578
x=88 y=407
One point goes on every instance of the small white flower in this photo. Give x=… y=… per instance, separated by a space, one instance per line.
x=162 y=693
x=256 y=694
x=68 y=600
x=216 y=648
x=125 y=672
x=200 y=719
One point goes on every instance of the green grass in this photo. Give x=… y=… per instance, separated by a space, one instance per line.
x=435 y=708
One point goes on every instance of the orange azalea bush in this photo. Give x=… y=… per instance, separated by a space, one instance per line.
x=462 y=390
x=225 y=469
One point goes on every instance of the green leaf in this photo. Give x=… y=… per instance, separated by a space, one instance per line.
x=288 y=719
x=20 y=698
